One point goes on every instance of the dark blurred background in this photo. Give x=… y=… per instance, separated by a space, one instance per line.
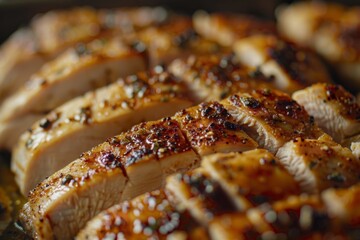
x=17 y=13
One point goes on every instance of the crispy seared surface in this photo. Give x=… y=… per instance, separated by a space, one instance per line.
x=210 y=128
x=216 y=77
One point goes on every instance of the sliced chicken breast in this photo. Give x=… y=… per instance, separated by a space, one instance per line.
x=175 y=38
x=130 y=20
x=19 y=58
x=148 y=216
x=334 y=109
x=246 y=177
x=300 y=21
x=231 y=182
x=124 y=167
x=59 y=29
x=318 y=164
x=227 y=28
x=75 y=72
x=342 y=204
x=292 y=67
x=216 y=77
x=51 y=142
x=151 y=150
x=201 y=195
x=293 y=218
x=271 y=117
x=330 y=29
x=210 y=128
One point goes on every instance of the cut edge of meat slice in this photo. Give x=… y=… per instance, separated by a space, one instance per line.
x=271 y=117
x=319 y=164
x=334 y=109
x=291 y=66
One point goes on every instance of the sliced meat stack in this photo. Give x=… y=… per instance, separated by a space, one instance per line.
x=233 y=156
x=153 y=151
x=50 y=144
x=73 y=73
x=246 y=195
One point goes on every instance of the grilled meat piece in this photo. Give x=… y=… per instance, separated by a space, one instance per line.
x=342 y=205
x=246 y=177
x=201 y=195
x=330 y=29
x=51 y=143
x=175 y=38
x=148 y=216
x=293 y=218
x=215 y=77
x=334 y=109
x=292 y=67
x=227 y=28
x=210 y=128
x=231 y=182
x=75 y=72
x=19 y=58
x=318 y=164
x=271 y=117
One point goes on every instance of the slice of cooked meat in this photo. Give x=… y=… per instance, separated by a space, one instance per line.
x=201 y=195
x=57 y=30
x=334 y=109
x=318 y=164
x=235 y=226
x=210 y=128
x=330 y=29
x=19 y=58
x=148 y=216
x=215 y=77
x=271 y=117
x=227 y=28
x=75 y=72
x=246 y=177
x=129 y=20
x=124 y=167
x=231 y=182
x=296 y=216
x=292 y=218
x=300 y=21
x=175 y=38
x=50 y=144
x=292 y=67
